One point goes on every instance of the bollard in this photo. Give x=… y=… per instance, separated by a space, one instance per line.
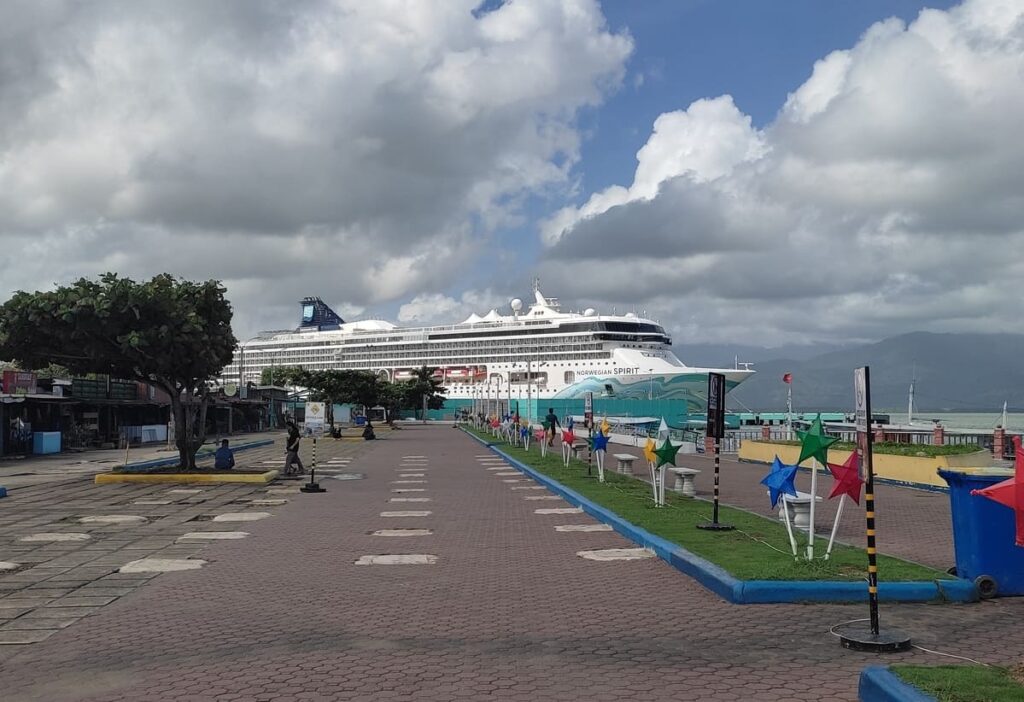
x=312 y=485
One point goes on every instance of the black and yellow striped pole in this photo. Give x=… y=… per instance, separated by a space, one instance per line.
x=312 y=485
x=855 y=635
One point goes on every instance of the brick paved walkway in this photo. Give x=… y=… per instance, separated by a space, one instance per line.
x=508 y=611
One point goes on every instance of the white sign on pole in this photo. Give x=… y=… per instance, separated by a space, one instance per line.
x=315 y=418
x=860 y=395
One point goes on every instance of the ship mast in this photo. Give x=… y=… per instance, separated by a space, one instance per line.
x=910 y=399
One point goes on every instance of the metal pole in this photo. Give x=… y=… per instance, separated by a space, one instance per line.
x=718 y=446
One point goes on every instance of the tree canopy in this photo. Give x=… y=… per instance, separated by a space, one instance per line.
x=175 y=334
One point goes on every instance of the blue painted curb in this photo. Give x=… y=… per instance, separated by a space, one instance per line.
x=879 y=684
x=3 y=492
x=146 y=466
x=737 y=591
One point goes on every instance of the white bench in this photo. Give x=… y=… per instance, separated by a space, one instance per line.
x=684 y=481
x=799 y=508
x=578 y=448
x=624 y=462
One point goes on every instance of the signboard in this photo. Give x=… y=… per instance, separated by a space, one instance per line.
x=18 y=382
x=862 y=411
x=315 y=418
x=716 y=405
x=588 y=409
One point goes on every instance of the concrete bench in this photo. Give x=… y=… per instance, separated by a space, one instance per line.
x=799 y=508
x=684 y=480
x=624 y=462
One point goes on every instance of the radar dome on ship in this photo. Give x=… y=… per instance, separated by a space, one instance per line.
x=589 y=312
x=516 y=304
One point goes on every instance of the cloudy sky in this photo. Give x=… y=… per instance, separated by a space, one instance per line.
x=748 y=172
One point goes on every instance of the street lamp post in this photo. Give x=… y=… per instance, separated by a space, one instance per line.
x=650 y=383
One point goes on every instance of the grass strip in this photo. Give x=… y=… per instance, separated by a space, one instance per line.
x=962 y=683
x=757 y=550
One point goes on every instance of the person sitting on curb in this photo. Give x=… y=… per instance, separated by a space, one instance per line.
x=224 y=458
x=368 y=431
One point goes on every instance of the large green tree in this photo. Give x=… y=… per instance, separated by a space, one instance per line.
x=423 y=386
x=175 y=334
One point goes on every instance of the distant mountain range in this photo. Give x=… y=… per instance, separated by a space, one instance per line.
x=954 y=373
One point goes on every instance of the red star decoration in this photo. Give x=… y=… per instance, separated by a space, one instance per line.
x=568 y=437
x=847 y=477
x=1011 y=492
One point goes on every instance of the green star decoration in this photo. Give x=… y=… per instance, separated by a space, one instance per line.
x=814 y=443
x=666 y=453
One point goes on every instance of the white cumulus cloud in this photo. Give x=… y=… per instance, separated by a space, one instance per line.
x=886 y=196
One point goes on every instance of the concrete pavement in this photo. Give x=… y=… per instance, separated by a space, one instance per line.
x=502 y=607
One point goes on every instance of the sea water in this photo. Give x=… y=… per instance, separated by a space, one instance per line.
x=965 y=421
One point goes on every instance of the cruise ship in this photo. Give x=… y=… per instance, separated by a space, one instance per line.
x=537 y=353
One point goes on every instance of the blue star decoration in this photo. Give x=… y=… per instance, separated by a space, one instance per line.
x=780 y=480
x=599 y=442
x=524 y=431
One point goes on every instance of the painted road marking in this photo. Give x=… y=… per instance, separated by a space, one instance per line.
x=408 y=513
x=182 y=491
x=583 y=527
x=395 y=559
x=152 y=502
x=267 y=503
x=409 y=499
x=531 y=487
x=401 y=490
x=514 y=472
x=514 y=480
x=408 y=482
x=50 y=537
x=558 y=510
x=113 y=519
x=241 y=516
x=412 y=475
x=403 y=532
x=616 y=554
x=162 y=565
x=6 y=565
x=542 y=497
x=413 y=456
x=213 y=535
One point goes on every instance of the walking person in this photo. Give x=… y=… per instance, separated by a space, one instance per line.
x=291 y=448
x=552 y=421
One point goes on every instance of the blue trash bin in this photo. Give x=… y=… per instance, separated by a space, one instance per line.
x=983 y=534
x=360 y=421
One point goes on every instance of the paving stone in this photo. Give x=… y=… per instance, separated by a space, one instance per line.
x=26 y=637
x=7 y=565
x=81 y=601
x=28 y=624
x=48 y=612
x=583 y=527
x=558 y=510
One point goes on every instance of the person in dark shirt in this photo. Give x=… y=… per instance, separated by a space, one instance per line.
x=224 y=458
x=291 y=448
x=552 y=421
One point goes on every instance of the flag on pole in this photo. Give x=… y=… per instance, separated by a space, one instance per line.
x=1011 y=492
x=787 y=378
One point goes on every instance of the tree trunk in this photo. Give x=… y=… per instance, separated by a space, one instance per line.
x=180 y=432
x=186 y=438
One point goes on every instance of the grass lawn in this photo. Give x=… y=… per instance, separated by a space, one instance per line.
x=963 y=683
x=757 y=550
